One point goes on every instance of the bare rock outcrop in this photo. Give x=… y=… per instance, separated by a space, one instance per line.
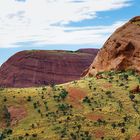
x=121 y=51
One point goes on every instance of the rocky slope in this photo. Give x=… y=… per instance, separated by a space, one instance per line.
x=35 y=68
x=121 y=51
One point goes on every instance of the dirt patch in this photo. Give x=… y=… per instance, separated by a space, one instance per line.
x=75 y=103
x=75 y=96
x=137 y=137
x=76 y=93
x=108 y=85
x=99 y=134
x=17 y=114
x=94 y=117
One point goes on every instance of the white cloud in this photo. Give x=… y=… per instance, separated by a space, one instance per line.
x=34 y=20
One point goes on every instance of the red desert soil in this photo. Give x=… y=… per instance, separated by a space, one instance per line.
x=17 y=114
x=137 y=137
x=99 y=134
x=108 y=85
x=75 y=95
x=94 y=117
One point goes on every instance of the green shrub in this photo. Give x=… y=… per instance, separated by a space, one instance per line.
x=29 y=99
x=7 y=116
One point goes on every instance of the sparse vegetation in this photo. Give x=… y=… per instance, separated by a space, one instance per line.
x=136 y=22
x=106 y=107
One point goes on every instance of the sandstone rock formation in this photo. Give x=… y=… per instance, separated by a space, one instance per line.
x=121 y=51
x=37 y=68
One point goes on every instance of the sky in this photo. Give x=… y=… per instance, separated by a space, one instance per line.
x=60 y=24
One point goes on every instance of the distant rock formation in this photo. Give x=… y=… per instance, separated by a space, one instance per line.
x=121 y=51
x=37 y=68
x=89 y=50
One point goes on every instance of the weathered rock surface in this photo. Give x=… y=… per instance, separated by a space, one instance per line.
x=121 y=51
x=37 y=68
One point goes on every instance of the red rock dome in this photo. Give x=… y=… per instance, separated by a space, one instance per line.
x=37 y=68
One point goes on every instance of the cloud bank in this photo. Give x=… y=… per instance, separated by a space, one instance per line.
x=48 y=21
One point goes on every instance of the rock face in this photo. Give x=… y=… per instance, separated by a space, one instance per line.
x=37 y=68
x=121 y=51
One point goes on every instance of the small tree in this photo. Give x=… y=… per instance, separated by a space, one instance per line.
x=63 y=107
x=86 y=100
x=123 y=130
x=29 y=98
x=5 y=99
x=1 y=136
x=131 y=97
x=138 y=79
x=35 y=105
x=7 y=116
x=63 y=94
x=109 y=94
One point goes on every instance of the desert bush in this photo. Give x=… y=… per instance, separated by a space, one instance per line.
x=131 y=96
x=1 y=136
x=61 y=96
x=7 y=116
x=109 y=94
x=86 y=100
x=29 y=99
